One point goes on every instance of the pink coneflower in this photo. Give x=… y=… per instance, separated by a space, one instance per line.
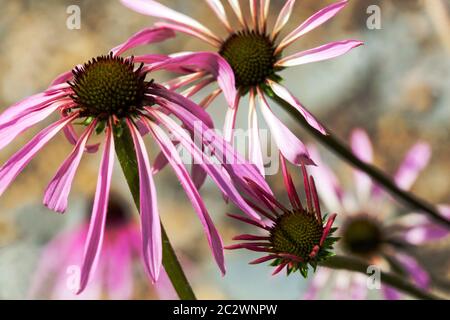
x=369 y=228
x=255 y=55
x=295 y=237
x=110 y=94
x=114 y=278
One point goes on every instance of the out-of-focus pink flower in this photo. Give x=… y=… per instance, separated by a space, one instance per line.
x=109 y=94
x=368 y=225
x=255 y=56
x=57 y=273
x=296 y=236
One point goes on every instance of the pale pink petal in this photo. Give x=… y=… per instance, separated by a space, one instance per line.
x=96 y=231
x=237 y=10
x=290 y=146
x=214 y=240
x=219 y=10
x=155 y=9
x=63 y=78
x=230 y=122
x=189 y=31
x=325 y=52
x=211 y=62
x=254 y=13
x=264 y=6
x=146 y=36
x=362 y=148
x=57 y=192
x=311 y=23
x=72 y=137
x=284 y=94
x=329 y=188
x=414 y=162
x=255 y=151
x=283 y=17
x=11 y=169
x=150 y=58
x=150 y=224
x=215 y=171
x=10 y=130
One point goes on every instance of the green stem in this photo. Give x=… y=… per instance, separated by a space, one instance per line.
x=337 y=146
x=356 y=265
x=127 y=157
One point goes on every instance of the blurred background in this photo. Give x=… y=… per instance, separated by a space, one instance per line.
x=396 y=87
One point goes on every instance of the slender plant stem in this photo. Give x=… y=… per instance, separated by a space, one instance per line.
x=127 y=157
x=356 y=265
x=339 y=148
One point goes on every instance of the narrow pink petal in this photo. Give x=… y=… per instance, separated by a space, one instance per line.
x=289 y=185
x=189 y=31
x=312 y=22
x=184 y=80
x=11 y=169
x=230 y=122
x=414 y=269
x=208 y=61
x=264 y=6
x=96 y=231
x=155 y=9
x=150 y=58
x=27 y=105
x=329 y=188
x=283 y=17
x=214 y=240
x=327 y=228
x=150 y=223
x=325 y=52
x=290 y=146
x=62 y=78
x=254 y=148
x=198 y=175
x=219 y=10
x=72 y=137
x=263 y=259
x=215 y=171
x=254 y=13
x=414 y=162
x=57 y=192
x=284 y=94
x=362 y=148
x=237 y=10
x=10 y=130
x=145 y=36
x=239 y=169
x=160 y=161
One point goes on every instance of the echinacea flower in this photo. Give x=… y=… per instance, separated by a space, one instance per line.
x=114 y=278
x=110 y=94
x=295 y=236
x=255 y=55
x=369 y=227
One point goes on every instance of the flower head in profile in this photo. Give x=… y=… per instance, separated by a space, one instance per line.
x=295 y=237
x=255 y=55
x=112 y=95
x=114 y=277
x=369 y=227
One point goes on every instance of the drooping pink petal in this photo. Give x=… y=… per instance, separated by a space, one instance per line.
x=235 y=164
x=362 y=148
x=57 y=192
x=62 y=78
x=208 y=61
x=311 y=23
x=290 y=146
x=237 y=10
x=72 y=137
x=414 y=269
x=29 y=104
x=189 y=31
x=325 y=52
x=96 y=231
x=185 y=103
x=219 y=10
x=155 y=9
x=150 y=223
x=414 y=162
x=215 y=171
x=284 y=94
x=254 y=147
x=329 y=188
x=10 y=130
x=11 y=169
x=150 y=58
x=214 y=240
x=283 y=17
x=230 y=122
x=145 y=36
